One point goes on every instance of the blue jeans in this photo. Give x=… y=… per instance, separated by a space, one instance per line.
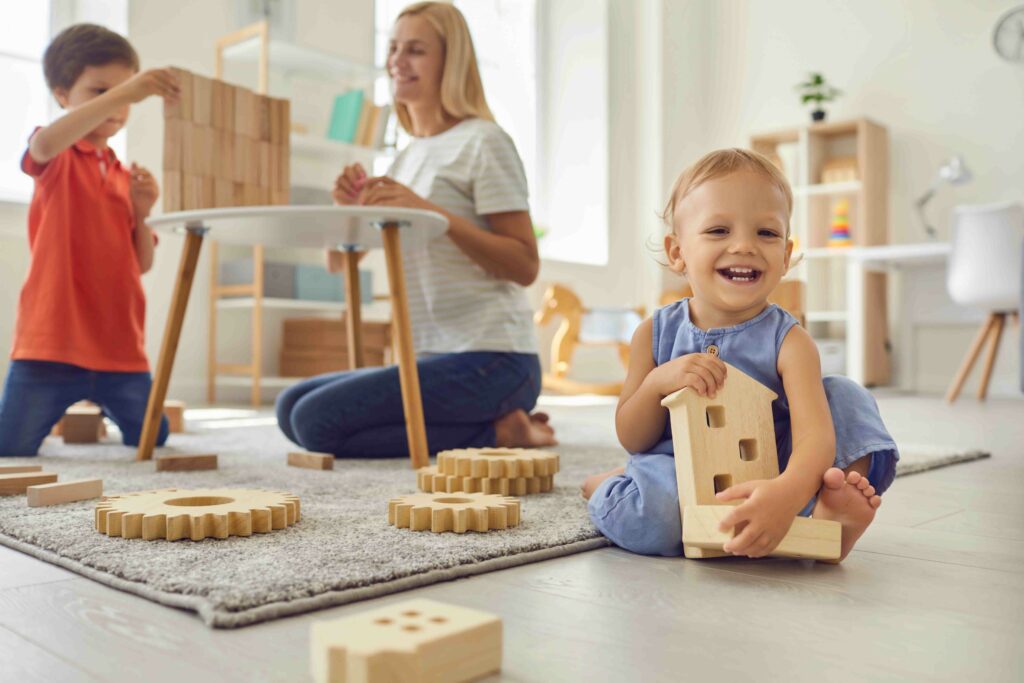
x=37 y=393
x=358 y=414
x=639 y=510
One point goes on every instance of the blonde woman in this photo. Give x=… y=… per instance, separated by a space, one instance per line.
x=472 y=327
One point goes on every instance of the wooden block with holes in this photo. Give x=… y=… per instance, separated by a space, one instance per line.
x=40 y=495
x=175 y=412
x=311 y=461
x=182 y=463
x=727 y=440
x=15 y=483
x=414 y=641
x=82 y=424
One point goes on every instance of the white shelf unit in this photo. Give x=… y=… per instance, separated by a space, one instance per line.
x=802 y=153
x=315 y=161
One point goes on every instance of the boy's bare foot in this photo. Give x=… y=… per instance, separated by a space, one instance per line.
x=591 y=483
x=850 y=500
x=519 y=430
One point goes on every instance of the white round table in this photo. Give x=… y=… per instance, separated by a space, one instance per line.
x=350 y=230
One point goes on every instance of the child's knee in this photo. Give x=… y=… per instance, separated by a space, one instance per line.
x=638 y=515
x=843 y=391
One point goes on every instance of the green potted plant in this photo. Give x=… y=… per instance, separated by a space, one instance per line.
x=815 y=89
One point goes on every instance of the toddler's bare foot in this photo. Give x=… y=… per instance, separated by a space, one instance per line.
x=591 y=483
x=519 y=430
x=850 y=500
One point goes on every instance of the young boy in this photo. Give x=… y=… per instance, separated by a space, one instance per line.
x=79 y=331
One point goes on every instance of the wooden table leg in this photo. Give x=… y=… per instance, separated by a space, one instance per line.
x=353 y=306
x=412 y=402
x=172 y=331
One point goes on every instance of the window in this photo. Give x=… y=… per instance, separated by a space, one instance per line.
x=25 y=31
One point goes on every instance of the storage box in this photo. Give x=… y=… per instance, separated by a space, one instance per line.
x=314 y=283
x=278 y=278
x=325 y=333
x=306 y=363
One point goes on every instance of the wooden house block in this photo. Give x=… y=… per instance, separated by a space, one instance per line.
x=723 y=441
x=181 y=108
x=13 y=484
x=808 y=539
x=66 y=492
x=172 y=191
x=175 y=412
x=82 y=424
x=202 y=100
x=20 y=469
x=311 y=461
x=416 y=641
x=180 y=463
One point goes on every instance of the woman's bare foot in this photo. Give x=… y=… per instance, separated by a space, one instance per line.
x=850 y=500
x=519 y=430
x=591 y=483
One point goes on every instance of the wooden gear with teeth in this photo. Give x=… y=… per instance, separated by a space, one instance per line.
x=197 y=514
x=458 y=512
x=428 y=479
x=498 y=463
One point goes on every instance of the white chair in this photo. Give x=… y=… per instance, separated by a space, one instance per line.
x=985 y=272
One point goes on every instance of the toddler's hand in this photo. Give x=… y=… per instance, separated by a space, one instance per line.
x=144 y=84
x=143 y=191
x=349 y=185
x=702 y=372
x=762 y=521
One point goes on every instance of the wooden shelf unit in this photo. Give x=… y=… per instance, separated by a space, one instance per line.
x=802 y=153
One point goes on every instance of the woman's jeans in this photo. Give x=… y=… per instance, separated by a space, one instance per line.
x=37 y=393
x=359 y=414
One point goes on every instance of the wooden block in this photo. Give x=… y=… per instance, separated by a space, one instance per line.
x=811 y=539
x=228 y=108
x=254 y=115
x=417 y=640
x=198 y=192
x=202 y=100
x=223 y=193
x=66 y=492
x=275 y=121
x=175 y=412
x=311 y=461
x=82 y=424
x=218 y=96
x=202 y=151
x=240 y=151
x=280 y=197
x=250 y=195
x=182 y=107
x=224 y=161
x=263 y=168
x=19 y=469
x=252 y=155
x=179 y=463
x=13 y=484
x=188 y=162
x=283 y=181
x=238 y=194
x=172 y=158
x=172 y=191
x=244 y=99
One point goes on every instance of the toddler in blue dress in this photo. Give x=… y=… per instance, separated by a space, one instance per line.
x=729 y=218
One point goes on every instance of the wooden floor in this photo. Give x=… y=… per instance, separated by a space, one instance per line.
x=935 y=591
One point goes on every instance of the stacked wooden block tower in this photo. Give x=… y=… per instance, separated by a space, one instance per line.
x=224 y=146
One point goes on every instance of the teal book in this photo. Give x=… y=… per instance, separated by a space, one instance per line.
x=345 y=116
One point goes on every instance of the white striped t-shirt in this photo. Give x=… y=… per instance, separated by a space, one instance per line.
x=471 y=170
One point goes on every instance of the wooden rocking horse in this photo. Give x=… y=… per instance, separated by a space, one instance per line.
x=601 y=326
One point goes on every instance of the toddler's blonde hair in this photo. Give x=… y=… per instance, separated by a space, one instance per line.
x=720 y=163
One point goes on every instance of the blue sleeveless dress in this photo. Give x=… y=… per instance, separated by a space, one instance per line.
x=639 y=510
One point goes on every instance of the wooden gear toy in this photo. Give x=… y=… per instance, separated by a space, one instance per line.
x=197 y=514
x=414 y=641
x=727 y=440
x=428 y=479
x=458 y=512
x=498 y=463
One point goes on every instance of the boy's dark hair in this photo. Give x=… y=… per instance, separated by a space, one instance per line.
x=82 y=45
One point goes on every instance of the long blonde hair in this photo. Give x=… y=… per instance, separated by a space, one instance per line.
x=462 y=92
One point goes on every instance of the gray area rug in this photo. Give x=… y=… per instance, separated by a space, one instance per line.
x=341 y=551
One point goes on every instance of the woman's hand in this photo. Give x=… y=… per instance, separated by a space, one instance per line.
x=701 y=372
x=384 y=191
x=349 y=185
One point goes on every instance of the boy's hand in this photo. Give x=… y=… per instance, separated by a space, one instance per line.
x=702 y=372
x=144 y=84
x=763 y=519
x=144 y=192
x=349 y=185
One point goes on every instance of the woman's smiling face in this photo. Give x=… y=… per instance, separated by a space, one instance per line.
x=415 y=61
x=730 y=238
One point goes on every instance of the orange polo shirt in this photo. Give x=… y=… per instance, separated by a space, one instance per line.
x=82 y=302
